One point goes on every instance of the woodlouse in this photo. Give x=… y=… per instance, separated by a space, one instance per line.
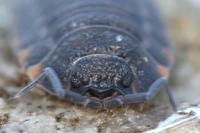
x=97 y=53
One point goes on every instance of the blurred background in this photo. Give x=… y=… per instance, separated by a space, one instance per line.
x=182 y=18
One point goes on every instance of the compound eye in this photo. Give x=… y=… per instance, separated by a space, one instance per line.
x=126 y=81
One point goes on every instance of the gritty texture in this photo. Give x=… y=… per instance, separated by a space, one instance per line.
x=185 y=120
x=48 y=114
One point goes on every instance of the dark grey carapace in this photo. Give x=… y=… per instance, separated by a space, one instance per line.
x=97 y=53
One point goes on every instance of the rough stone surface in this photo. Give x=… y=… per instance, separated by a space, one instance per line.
x=184 y=121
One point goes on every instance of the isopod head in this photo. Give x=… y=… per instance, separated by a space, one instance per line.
x=101 y=75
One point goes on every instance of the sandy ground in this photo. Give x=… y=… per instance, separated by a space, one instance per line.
x=36 y=113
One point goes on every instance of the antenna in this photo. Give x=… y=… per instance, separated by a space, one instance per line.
x=57 y=88
x=29 y=87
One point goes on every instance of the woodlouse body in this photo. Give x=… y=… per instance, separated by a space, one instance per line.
x=98 y=53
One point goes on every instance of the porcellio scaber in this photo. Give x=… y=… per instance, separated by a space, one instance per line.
x=97 y=53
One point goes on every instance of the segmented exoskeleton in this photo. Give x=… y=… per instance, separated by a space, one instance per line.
x=97 y=53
